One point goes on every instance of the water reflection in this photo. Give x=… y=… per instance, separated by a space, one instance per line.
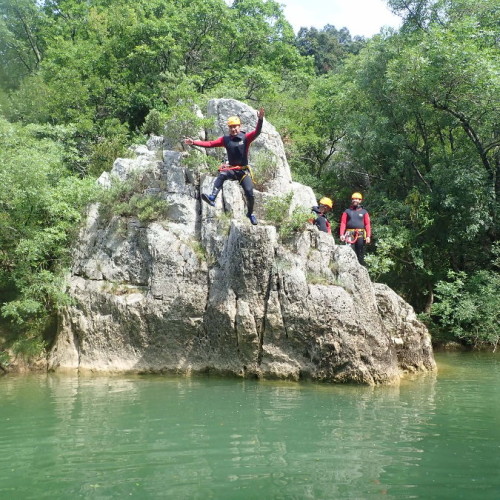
x=150 y=437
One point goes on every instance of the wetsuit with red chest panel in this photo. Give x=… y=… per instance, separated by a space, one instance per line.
x=356 y=220
x=237 y=155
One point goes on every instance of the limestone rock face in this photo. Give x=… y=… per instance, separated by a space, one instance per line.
x=205 y=291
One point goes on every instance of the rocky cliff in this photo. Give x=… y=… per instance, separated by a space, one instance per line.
x=205 y=291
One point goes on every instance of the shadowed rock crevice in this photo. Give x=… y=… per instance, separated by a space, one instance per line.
x=205 y=291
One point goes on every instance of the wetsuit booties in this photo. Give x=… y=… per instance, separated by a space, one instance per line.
x=253 y=219
x=210 y=198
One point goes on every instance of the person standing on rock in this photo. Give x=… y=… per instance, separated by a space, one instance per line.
x=355 y=227
x=321 y=222
x=236 y=144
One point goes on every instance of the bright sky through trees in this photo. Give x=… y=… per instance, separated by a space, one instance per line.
x=360 y=17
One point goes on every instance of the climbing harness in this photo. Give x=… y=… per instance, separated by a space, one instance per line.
x=224 y=168
x=352 y=235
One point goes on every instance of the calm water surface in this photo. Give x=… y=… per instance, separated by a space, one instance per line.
x=210 y=438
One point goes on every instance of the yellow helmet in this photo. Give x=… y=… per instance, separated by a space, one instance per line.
x=326 y=201
x=234 y=120
x=359 y=196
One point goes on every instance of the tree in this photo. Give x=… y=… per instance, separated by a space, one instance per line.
x=41 y=206
x=106 y=65
x=420 y=115
x=328 y=46
x=22 y=45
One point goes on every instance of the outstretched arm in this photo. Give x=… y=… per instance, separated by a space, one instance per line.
x=205 y=144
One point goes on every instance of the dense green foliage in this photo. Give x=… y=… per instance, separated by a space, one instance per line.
x=130 y=199
x=410 y=118
x=467 y=307
x=412 y=122
x=288 y=221
x=41 y=205
x=328 y=46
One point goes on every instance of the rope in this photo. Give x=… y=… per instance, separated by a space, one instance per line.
x=349 y=234
x=223 y=168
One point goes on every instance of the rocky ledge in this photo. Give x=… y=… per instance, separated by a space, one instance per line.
x=204 y=291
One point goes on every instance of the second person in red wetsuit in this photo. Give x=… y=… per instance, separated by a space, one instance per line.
x=355 y=223
x=236 y=144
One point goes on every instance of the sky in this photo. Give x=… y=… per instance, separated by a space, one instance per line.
x=360 y=17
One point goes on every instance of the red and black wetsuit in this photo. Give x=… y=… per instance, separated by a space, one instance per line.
x=322 y=223
x=237 y=155
x=236 y=145
x=357 y=218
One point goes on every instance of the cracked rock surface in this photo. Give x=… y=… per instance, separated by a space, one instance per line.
x=205 y=291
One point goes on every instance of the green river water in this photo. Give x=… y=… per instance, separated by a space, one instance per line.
x=101 y=437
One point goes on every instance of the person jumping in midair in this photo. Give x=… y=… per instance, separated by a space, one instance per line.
x=236 y=144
